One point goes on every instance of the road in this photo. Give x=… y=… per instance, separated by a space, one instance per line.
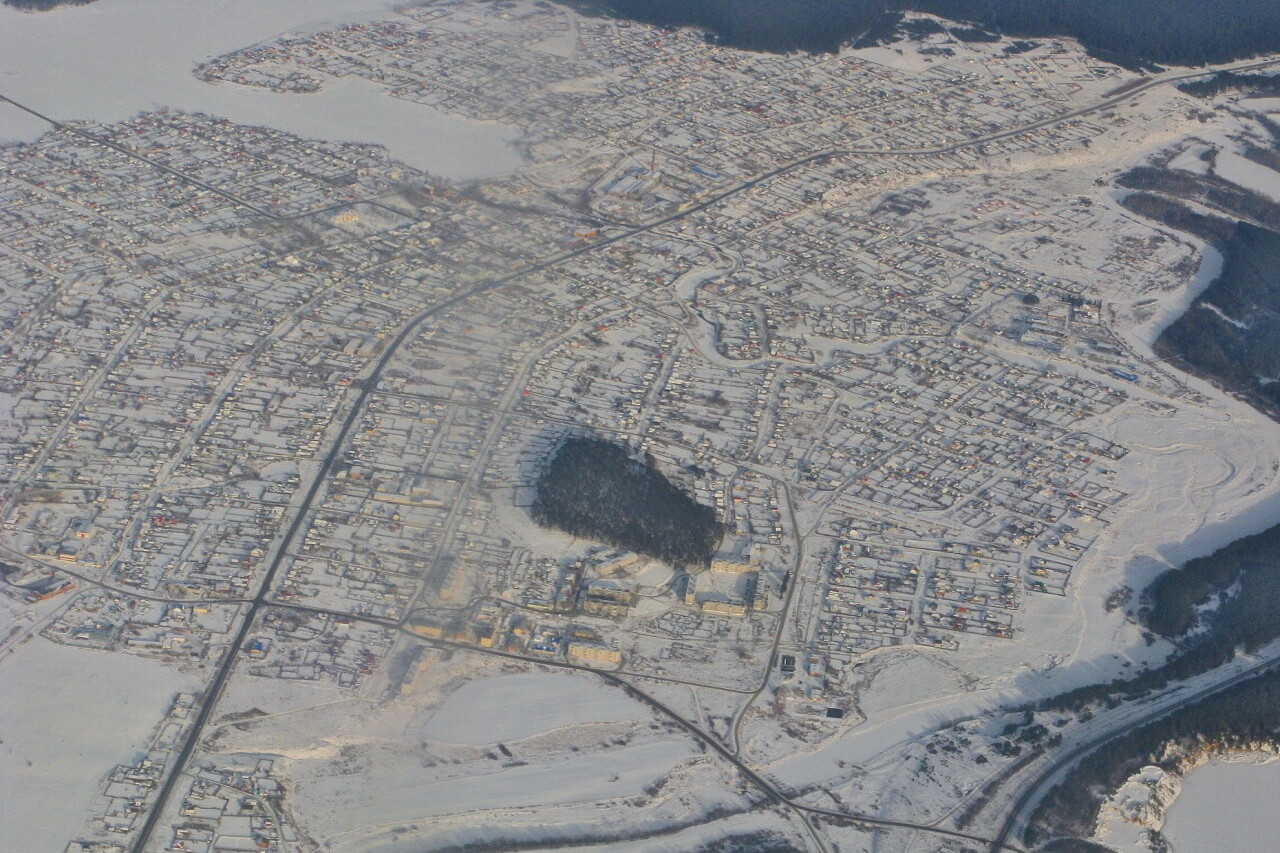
x=1114 y=101
x=709 y=740
x=1035 y=789
x=150 y=162
x=371 y=377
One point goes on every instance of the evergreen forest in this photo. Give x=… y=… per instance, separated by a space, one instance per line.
x=594 y=489
x=1242 y=715
x=1130 y=32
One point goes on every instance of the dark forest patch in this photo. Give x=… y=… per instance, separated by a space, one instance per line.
x=594 y=489
x=1231 y=332
x=1134 y=33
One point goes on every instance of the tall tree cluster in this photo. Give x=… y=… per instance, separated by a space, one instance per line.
x=594 y=489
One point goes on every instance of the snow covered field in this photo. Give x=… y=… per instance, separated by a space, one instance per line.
x=1226 y=806
x=1247 y=173
x=398 y=789
x=54 y=748
x=547 y=751
x=118 y=57
x=515 y=707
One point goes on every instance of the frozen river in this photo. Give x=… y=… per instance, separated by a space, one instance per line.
x=1226 y=807
x=114 y=58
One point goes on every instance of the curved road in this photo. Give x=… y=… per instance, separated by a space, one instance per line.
x=1037 y=788
x=770 y=791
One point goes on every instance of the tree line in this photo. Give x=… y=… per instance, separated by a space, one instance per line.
x=1244 y=576
x=43 y=5
x=1135 y=33
x=1231 y=333
x=1258 y=85
x=1242 y=715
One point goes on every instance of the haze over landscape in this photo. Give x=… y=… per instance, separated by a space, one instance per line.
x=645 y=425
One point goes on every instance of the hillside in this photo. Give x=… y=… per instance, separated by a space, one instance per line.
x=1231 y=332
x=1132 y=32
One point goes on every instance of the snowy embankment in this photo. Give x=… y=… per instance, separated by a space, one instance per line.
x=1215 y=803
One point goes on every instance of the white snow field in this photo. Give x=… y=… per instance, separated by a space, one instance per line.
x=1247 y=173
x=515 y=707
x=118 y=57
x=1226 y=807
x=68 y=716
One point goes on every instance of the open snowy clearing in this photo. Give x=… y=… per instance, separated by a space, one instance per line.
x=515 y=707
x=394 y=786
x=586 y=778
x=1247 y=173
x=1226 y=807
x=53 y=752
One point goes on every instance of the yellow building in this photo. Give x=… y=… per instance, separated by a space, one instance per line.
x=725 y=608
x=733 y=567
x=594 y=654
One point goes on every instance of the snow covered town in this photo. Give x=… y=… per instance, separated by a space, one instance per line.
x=274 y=409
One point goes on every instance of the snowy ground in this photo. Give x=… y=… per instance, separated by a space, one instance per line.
x=1246 y=173
x=1161 y=314
x=90 y=80
x=1226 y=806
x=515 y=707
x=546 y=751
x=52 y=745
